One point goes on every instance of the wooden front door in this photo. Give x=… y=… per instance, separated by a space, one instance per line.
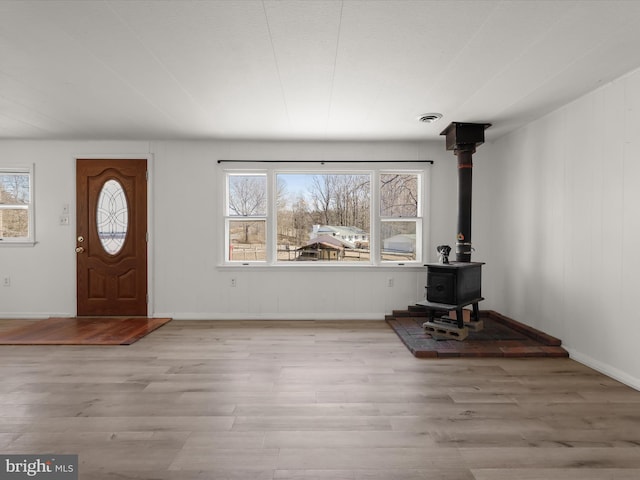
x=111 y=238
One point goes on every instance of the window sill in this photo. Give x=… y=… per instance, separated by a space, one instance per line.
x=14 y=243
x=316 y=266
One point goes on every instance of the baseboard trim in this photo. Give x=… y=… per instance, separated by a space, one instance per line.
x=604 y=368
x=270 y=316
x=31 y=316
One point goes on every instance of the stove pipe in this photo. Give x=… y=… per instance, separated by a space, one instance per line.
x=463 y=138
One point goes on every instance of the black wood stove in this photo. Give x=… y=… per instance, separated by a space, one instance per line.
x=452 y=286
x=454 y=283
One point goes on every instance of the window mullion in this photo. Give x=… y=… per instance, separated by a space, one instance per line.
x=272 y=207
x=374 y=237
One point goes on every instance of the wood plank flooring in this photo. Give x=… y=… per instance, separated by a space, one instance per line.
x=80 y=331
x=312 y=401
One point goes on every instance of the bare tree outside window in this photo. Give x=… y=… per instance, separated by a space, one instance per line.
x=247 y=198
x=15 y=198
x=398 y=195
x=247 y=195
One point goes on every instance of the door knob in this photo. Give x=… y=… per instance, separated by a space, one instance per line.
x=79 y=249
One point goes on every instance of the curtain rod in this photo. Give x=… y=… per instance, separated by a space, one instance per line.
x=325 y=161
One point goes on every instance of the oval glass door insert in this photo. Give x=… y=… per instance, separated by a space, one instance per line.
x=112 y=217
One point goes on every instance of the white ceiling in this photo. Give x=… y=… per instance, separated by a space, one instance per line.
x=300 y=69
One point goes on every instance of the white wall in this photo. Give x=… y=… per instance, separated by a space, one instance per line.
x=191 y=284
x=186 y=279
x=565 y=206
x=43 y=276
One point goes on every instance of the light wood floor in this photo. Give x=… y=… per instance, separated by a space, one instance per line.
x=312 y=400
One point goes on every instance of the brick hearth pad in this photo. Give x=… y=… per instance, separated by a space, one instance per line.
x=501 y=337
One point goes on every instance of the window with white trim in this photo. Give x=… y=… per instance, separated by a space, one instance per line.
x=400 y=216
x=281 y=216
x=16 y=205
x=246 y=217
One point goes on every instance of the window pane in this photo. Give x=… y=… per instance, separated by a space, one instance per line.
x=323 y=217
x=112 y=217
x=398 y=240
x=15 y=199
x=247 y=195
x=14 y=223
x=14 y=189
x=398 y=195
x=247 y=240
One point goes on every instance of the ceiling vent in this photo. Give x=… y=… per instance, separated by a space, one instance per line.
x=429 y=117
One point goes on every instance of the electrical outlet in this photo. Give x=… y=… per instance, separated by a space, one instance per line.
x=234 y=282
x=6 y=282
x=64 y=220
x=389 y=282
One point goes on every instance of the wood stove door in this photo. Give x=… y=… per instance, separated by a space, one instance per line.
x=441 y=287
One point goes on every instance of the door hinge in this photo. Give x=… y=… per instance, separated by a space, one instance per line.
x=146 y=237
x=146 y=174
x=146 y=298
